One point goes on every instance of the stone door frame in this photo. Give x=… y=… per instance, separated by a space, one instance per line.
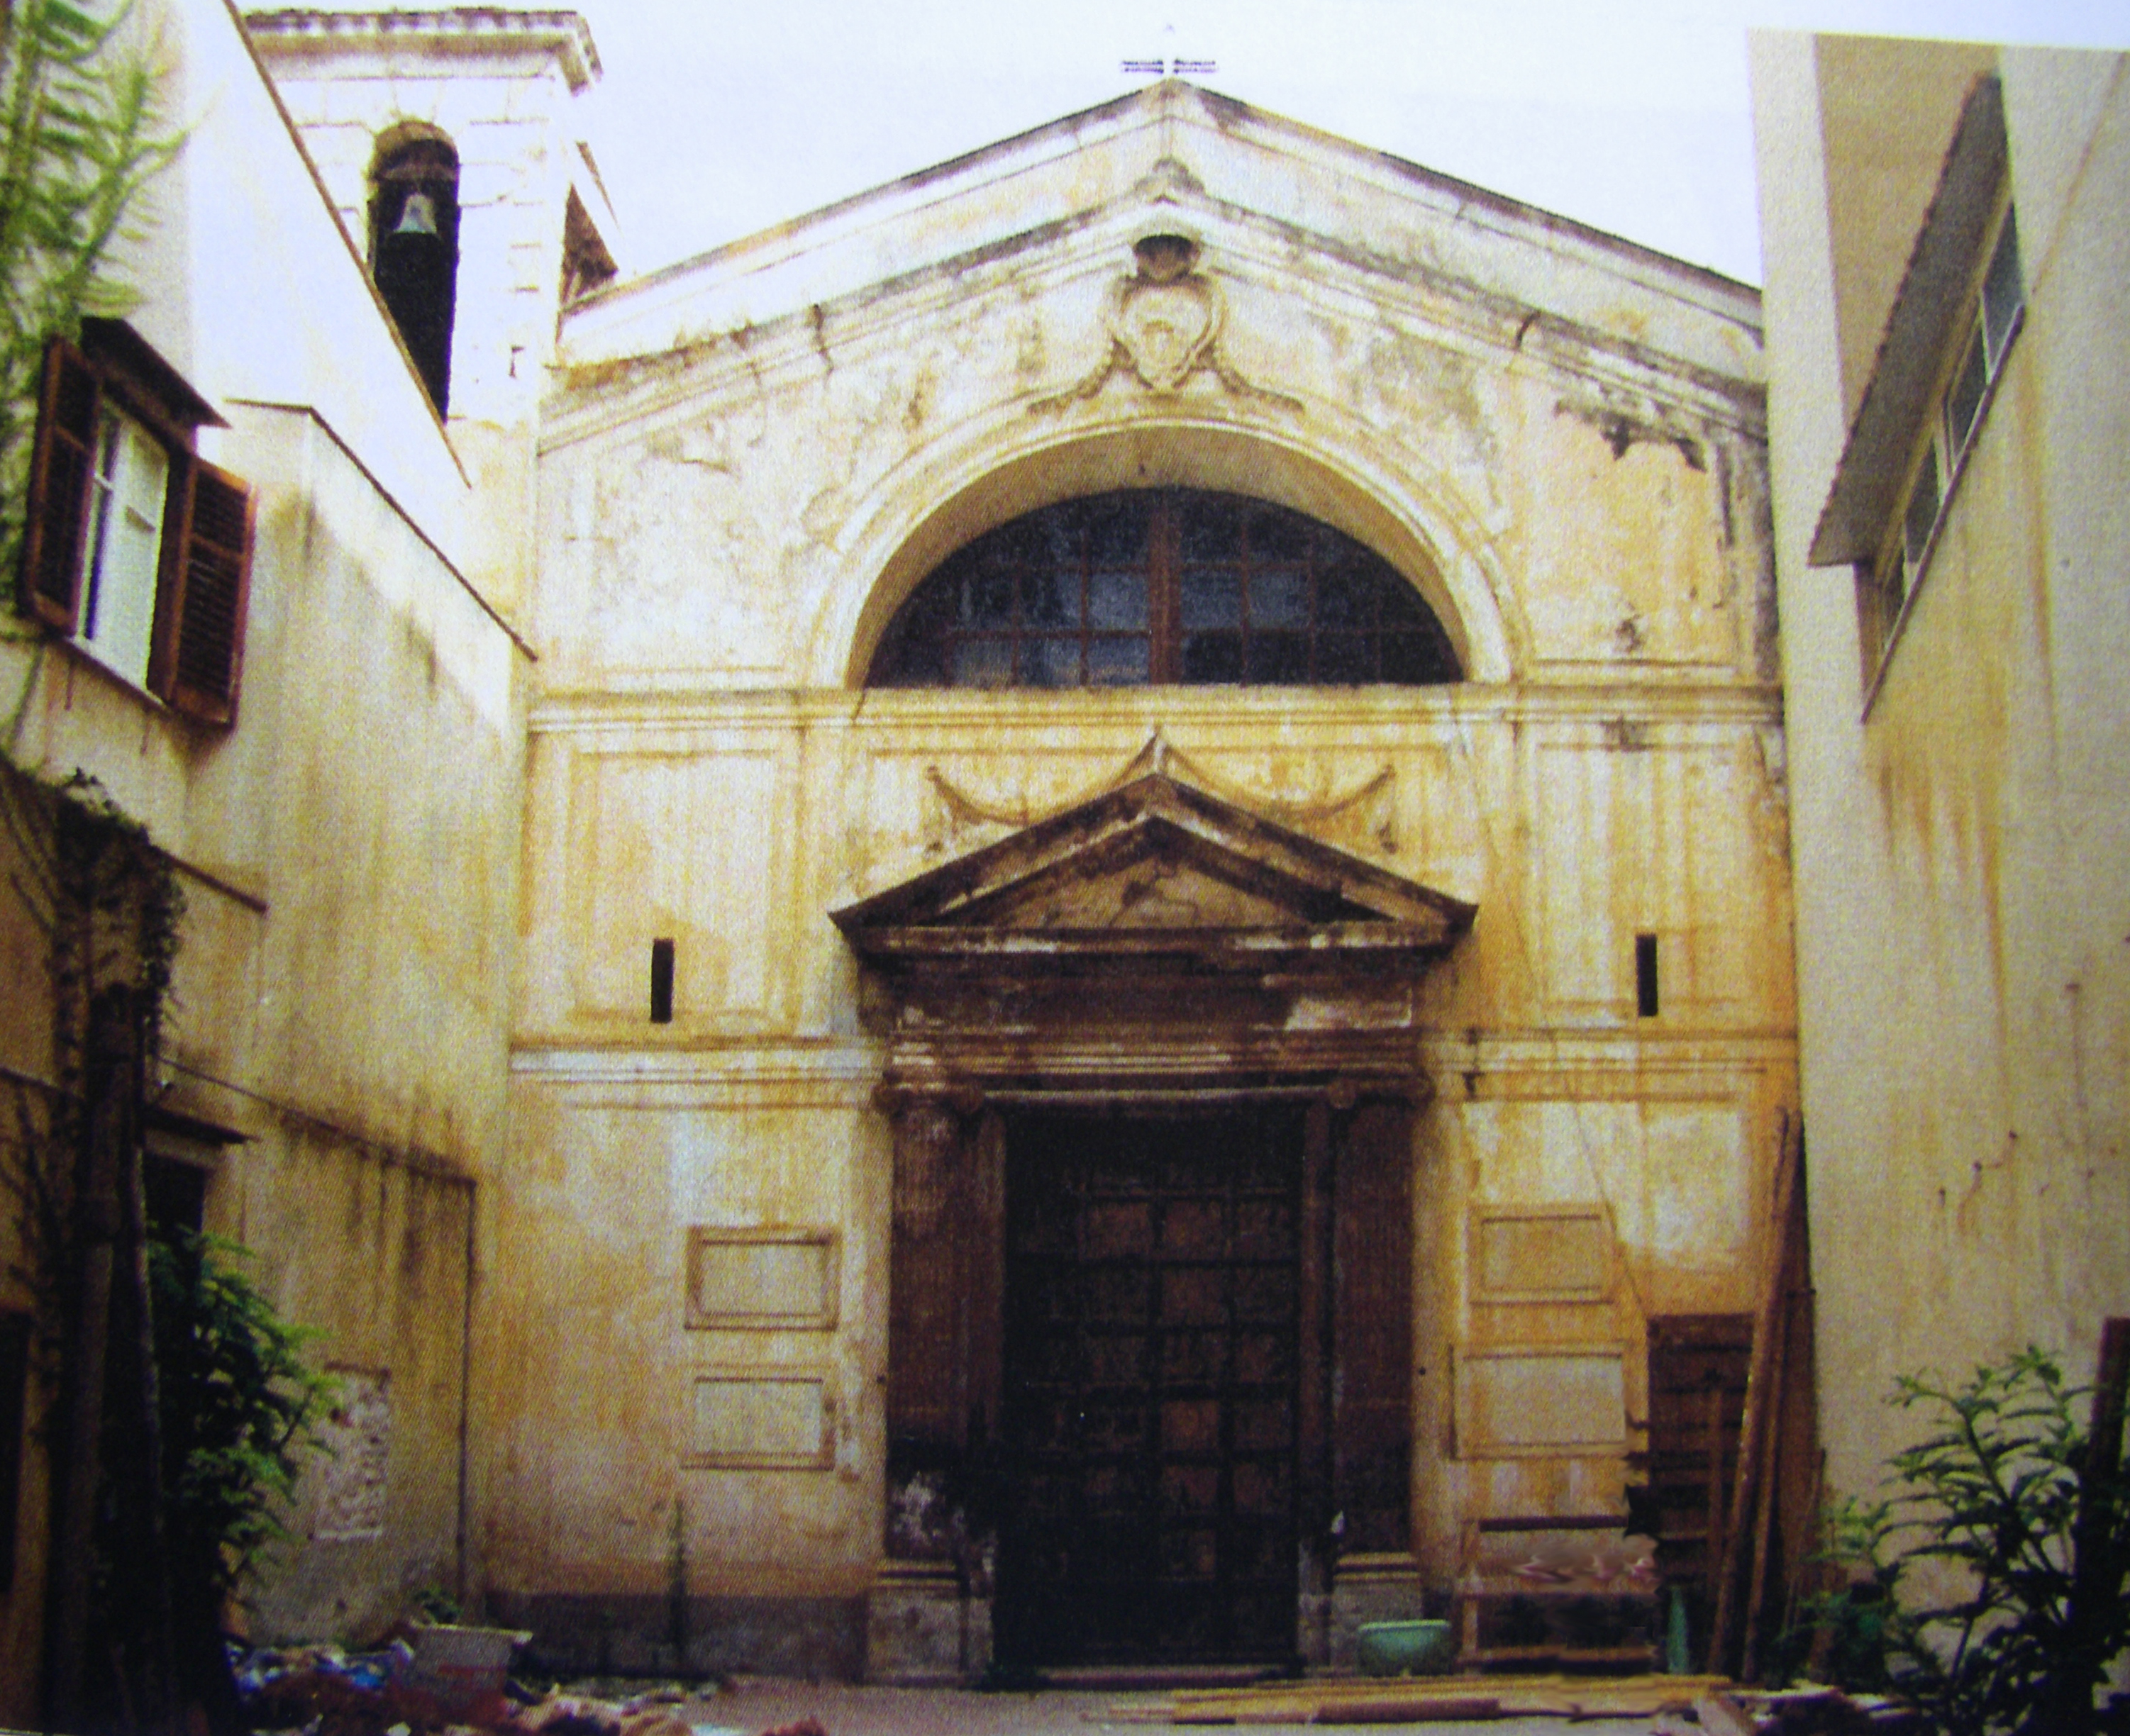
x=1030 y=972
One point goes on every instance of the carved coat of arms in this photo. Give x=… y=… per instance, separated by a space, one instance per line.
x=1164 y=324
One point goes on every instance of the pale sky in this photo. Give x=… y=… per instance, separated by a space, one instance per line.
x=715 y=120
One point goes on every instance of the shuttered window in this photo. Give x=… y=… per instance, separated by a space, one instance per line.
x=136 y=549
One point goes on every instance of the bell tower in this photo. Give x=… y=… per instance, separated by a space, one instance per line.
x=451 y=143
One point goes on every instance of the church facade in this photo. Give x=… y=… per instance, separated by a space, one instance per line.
x=1077 y=1057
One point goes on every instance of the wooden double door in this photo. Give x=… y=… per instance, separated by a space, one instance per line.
x=1150 y=1369
x=1150 y=1414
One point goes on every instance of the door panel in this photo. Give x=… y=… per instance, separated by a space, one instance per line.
x=1150 y=1405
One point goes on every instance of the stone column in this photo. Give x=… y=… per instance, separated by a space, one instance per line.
x=929 y=1619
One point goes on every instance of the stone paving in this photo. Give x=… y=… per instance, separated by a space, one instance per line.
x=754 y=1705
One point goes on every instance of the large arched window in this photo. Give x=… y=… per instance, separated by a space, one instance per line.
x=414 y=247
x=1163 y=585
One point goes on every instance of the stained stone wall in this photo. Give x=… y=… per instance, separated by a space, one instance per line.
x=748 y=463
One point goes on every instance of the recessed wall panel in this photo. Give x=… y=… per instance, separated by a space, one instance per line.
x=1540 y=1401
x=740 y=1420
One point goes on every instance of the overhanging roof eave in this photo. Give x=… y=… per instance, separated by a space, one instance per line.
x=1874 y=459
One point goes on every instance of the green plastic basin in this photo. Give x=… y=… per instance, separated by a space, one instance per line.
x=1406 y=1649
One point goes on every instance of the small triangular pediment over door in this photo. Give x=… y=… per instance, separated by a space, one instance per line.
x=1155 y=933
x=1155 y=873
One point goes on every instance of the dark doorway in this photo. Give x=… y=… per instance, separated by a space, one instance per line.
x=1149 y=1422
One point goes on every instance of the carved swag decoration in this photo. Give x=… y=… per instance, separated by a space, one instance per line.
x=1164 y=325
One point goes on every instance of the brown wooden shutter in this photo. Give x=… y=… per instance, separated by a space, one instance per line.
x=1372 y=1419
x=199 y=657
x=62 y=465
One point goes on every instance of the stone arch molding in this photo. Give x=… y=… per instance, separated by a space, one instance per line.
x=1320 y=463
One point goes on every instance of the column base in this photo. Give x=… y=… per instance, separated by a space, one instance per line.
x=922 y=1629
x=1366 y=1588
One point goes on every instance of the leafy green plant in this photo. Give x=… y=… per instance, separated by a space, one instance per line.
x=434 y=1604
x=82 y=130
x=1962 y=1578
x=240 y=1406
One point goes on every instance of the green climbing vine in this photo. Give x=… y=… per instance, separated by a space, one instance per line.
x=209 y=1404
x=106 y=906
x=240 y=1403
x=82 y=129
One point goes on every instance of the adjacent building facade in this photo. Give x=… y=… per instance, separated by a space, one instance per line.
x=284 y=650
x=1945 y=227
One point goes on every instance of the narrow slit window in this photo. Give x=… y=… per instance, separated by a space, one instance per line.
x=662 y=982
x=1645 y=976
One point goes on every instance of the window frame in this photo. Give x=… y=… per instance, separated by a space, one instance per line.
x=204 y=541
x=1887 y=585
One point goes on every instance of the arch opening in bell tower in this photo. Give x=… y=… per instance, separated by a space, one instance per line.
x=414 y=246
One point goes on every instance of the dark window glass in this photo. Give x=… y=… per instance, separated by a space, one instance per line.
x=1118 y=663
x=1212 y=660
x=2004 y=291
x=1965 y=398
x=1167 y=586
x=1212 y=597
x=1279 y=597
x=1116 y=599
x=1279 y=660
x=1922 y=508
x=1347 y=659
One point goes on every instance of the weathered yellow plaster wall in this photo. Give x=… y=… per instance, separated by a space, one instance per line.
x=348 y=849
x=1508 y=414
x=1878 y=97
x=1965 y=998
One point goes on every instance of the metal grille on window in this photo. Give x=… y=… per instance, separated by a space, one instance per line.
x=1163 y=585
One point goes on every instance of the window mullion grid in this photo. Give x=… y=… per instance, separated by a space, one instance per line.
x=1083 y=567
x=1955 y=419
x=1164 y=591
x=1312 y=563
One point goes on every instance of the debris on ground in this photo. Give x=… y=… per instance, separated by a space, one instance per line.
x=322 y=1690
x=1679 y=1706
x=1800 y=1711
x=1429 y=1700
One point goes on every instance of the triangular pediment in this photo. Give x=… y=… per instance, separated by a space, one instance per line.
x=1155 y=871
x=1173 y=155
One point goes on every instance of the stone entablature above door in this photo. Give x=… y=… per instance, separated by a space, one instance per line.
x=1152 y=937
